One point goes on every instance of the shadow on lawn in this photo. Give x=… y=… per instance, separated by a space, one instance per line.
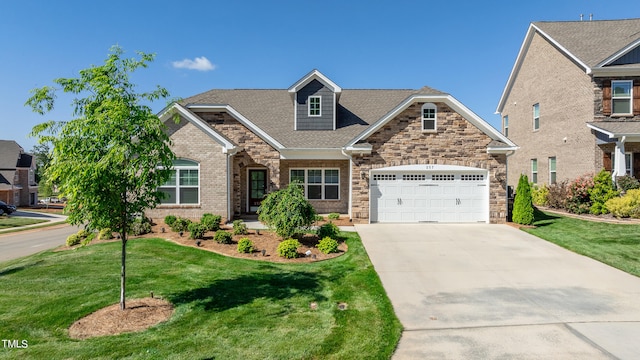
x=542 y=218
x=15 y=269
x=228 y=293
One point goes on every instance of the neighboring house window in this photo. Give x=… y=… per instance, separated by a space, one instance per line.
x=319 y=184
x=183 y=187
x=534 y=171
x=621 y=97
x=429 y=117
x=505 y=125
x=536 y=116
x=314 y=105
x=552 y=170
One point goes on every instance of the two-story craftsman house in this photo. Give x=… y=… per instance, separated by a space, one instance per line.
x=572 y=100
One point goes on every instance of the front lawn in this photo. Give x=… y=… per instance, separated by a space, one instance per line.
x=617 y=245
x=225 y=308
x=7 y=222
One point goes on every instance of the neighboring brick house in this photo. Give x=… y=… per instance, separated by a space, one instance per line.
x=572 y=101
x=376 y=155
x=17 y=175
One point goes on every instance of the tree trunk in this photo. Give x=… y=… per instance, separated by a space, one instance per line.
x=123 y=271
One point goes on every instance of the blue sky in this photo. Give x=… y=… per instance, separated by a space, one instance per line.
x=465 y=48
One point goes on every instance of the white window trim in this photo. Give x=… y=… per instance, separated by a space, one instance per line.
x=322 y=184
x=435 y=117
x=534 y=171
x=553 y=171
x=630 y=97
x=319 y=105
x=628 y=170
x=177 y=186
x=536 y=105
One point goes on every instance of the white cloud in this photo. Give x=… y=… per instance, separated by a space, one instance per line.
x=199 y=63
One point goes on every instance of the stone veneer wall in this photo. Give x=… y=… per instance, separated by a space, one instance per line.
x=322 y=206
x=256 y=154
x=457 y=142
x=191 y=143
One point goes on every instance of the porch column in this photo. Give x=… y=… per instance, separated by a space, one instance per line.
x=619 y=166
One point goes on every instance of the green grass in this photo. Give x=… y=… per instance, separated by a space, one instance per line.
x=7 y=222
x=225 y=308
x=617 y=245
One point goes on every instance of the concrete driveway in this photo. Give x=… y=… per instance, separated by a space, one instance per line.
x=478 y=291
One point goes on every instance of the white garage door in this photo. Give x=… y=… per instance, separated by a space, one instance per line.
x=429 y=193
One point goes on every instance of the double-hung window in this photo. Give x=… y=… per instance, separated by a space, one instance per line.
x=319 y=184
x=315 y=104
x=552 y=170
x=621 y=96
x=429 y=117
x=534 y=171
x=183 y=187
x=536 y=116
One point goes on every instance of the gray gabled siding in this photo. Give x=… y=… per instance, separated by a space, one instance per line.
x=632 y=57
x=304 y=121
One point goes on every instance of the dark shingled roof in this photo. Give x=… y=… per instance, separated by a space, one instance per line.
x=618 y=127
x=272 y=111
x=592 y=41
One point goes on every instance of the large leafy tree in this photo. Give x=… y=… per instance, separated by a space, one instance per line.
x=110 y=159
x=42 y=154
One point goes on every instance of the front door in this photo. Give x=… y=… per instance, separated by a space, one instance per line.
x=257 y=188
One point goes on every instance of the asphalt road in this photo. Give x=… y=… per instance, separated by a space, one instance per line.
x=23 y=243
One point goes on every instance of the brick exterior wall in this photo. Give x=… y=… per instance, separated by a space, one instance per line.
x=256 y=154
x=191 y=143
x=323 y=206
x=566 y=95
x=402 y=142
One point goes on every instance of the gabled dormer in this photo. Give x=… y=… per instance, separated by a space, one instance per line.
x=315 y=100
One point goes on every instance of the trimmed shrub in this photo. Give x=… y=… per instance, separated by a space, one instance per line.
x=625 y=206
x=539 y=194
x=211 y=222
x=319 y=217
x=86 y=241
x=73 y=239
x=288 y=248
x=196 y=230
x=170 y=220
x=246 y=246
x=239 y=228
x=522 y=205
x=333 y=216
x=329 y=229
x=181 y=224
x=287 y=211
x=557 y=196
x=578 y=199
x=223 y=237
x=327 y=245
x=105 y=234
x=81 y=237
x=603 y=189
x=140 y=226
x=626 y=183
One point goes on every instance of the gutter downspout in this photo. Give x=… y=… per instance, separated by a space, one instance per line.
x=350 y=180
x=506 y=179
